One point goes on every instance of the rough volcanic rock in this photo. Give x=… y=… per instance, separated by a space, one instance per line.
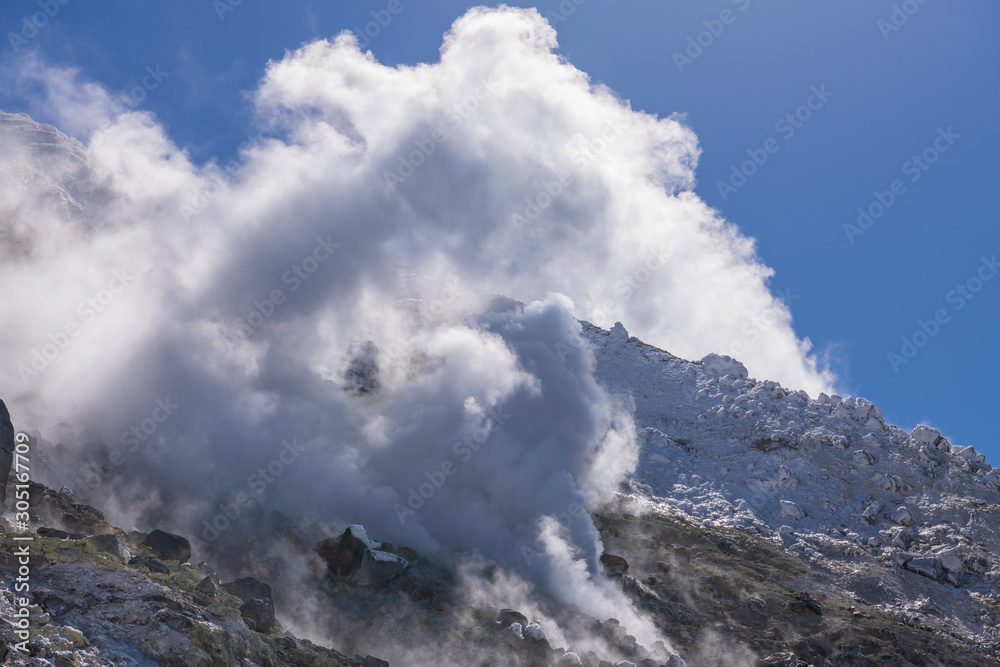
x=6 y=450
x=169 y=546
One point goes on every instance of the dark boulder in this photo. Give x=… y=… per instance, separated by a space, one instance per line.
x=54 y=533
x=508 y=617
x=6 y=450
x=343 y=555
x=169 y=546
x=106 y=544
x=207 y=587
x=248 y=588
x=53 y=604
x=614 y=564
x=258 y=614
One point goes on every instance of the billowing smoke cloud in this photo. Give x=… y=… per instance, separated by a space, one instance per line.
x=196 y=323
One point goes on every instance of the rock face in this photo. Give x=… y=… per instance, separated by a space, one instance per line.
x=507 y=617
x=169 y=546
x=207 y=586
x=106 y=543
x=926 y=435
x=92 y=610
x=6 y=451
x=89 y=609
x=258 y=614
x=721 y=364
x=361 y=375
x=903 y=516
x=614 y=564
x=746 y=495
x=791 y=510
x=898 y=519
x=356 y=558
x=248 y=588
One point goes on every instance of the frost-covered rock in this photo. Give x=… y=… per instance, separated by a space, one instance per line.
x=887 y=482
x=968 y=454
x=952 y=561
x=359 y=533
x=845 y=408
x=508 y=617
x=619 y=332
x=730 y=448
x=719 y=364
x=870 y=514
x=534 y=631
x=903 y=516
x=868 y=413
x=782 y=478
x=926 y=435
x=903 y=538
x=926 y=566
x=863 y=458
x=791 y=510
x=570 y=658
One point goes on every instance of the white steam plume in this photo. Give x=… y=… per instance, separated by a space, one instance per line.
x=207 y=308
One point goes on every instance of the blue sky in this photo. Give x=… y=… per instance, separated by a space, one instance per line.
x=892 y=92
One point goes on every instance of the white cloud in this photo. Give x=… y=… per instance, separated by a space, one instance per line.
x=500 y=169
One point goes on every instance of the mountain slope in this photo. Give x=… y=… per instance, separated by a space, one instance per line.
x=904 y=524
x=761 y=527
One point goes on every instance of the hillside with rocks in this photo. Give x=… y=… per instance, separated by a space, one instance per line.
x=761 y=527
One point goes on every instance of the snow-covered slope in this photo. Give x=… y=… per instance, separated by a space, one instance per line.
x=905 y=522
x=40 y=159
